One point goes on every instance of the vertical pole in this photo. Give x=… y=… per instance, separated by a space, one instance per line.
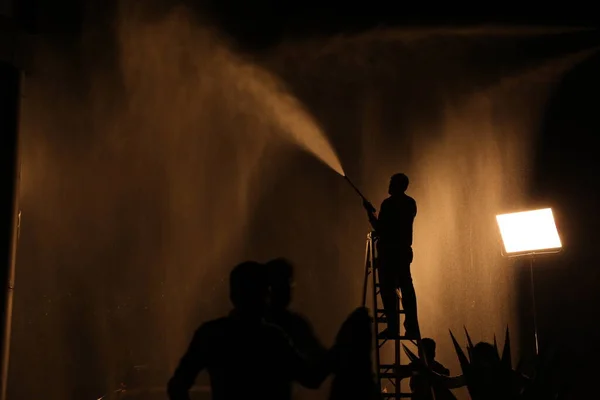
x=371 y=263
x=10 y=78
x=367 y=272
x=397 y=368
x=535 y=329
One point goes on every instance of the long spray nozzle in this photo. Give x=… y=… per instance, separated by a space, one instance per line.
x=365 y=201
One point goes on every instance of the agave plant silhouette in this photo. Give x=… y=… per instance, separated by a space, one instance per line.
x=489 y=375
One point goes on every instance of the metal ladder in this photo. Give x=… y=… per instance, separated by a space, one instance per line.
x=389 y=375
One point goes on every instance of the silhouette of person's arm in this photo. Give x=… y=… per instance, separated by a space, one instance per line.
x=304 y=337
x=193 y=361
x=451 y=382
x=309 y=372
x=440 y=369
x=374 y=220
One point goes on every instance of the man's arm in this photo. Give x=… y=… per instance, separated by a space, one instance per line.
x=193 y=361
x=305 y=339
x=443 y=370
x=377 y=221
x=370 y=214
x=310 y=372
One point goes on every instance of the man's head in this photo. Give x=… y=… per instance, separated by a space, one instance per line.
x=485 y=355
x=428 y=346
x=281 y=279
x=249 y=288
x=398 y=184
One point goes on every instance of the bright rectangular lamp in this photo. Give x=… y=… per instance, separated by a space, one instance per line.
x=529 y=232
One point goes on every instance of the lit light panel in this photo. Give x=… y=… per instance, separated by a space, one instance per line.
x=529 y=231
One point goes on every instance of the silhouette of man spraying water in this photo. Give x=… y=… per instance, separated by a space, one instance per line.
x=394 y=229
x=246 y=357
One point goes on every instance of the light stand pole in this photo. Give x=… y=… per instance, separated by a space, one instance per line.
x=9 y=104
x=11 y=52
x=533 y=308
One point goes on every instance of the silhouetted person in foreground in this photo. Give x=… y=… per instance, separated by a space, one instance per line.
x=245 y=357
x=394 y=228
x=489 y=378
x=353 y=373
x=419 y=384
x=299 y=330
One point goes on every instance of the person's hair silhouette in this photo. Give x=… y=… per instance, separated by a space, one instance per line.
x=244 y=356
x=398 y=184
x=428 y=345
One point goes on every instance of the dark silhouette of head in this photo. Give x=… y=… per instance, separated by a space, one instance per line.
x=398 y=184
x=249 y=288
x=281 y=280
x=428 y=346
x=485 y=355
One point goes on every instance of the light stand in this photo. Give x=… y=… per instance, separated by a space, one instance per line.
x=529 y=234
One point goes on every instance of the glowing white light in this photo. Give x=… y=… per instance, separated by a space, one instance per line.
x=529 y=231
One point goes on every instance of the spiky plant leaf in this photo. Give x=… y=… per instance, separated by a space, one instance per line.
x=496 y=346
x=464 y=362
x=469 y=344
x=491 y=377
x=506 y=357
x=411 y=356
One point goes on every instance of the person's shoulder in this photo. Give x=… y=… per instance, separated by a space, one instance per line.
x=214 y=325
x=216 y=322
x=300 y=322
x=297 y=317
x=276 y=334
x=410 y=201
x=440 y=369
x=387 y=202
x=273 y=329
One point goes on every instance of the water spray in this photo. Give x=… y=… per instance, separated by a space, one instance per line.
x=366 y=202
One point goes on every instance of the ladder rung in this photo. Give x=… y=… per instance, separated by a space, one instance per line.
x=382 y=319
x=406 y=367
x=399 y=337
x=394 y=395
x=391 y=375
x=381 y=310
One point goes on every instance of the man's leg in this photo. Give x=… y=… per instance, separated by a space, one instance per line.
x=388 y=285
x=409 y=304
x=409 y=298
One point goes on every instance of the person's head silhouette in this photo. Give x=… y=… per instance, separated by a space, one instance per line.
x=281 y=281
x=249 y=288
x=428 y=346
x=485 y=355
x=398 y=184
